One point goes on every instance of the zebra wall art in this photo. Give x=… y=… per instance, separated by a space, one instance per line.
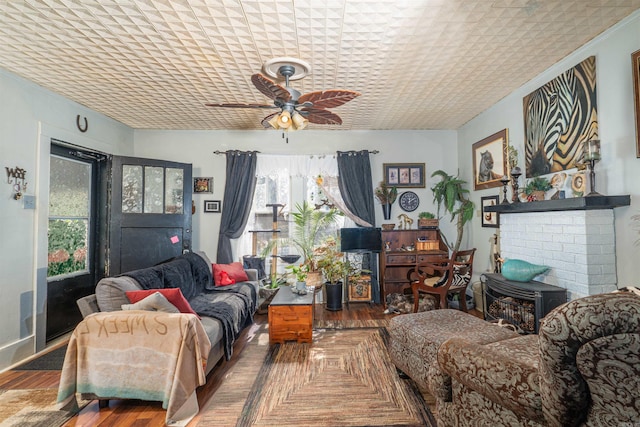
x=558 y=118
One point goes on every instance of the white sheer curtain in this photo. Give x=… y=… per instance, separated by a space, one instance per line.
x=276 y=166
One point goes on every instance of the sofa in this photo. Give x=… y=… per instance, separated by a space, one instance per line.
x=154 y=333
x=582 y=368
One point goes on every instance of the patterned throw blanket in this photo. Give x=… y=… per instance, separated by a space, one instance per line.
x=98 y=361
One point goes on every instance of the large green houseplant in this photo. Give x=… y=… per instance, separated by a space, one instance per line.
x=308 y=231
x=450 y=195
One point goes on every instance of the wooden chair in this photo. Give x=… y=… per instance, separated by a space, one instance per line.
x=442 y=278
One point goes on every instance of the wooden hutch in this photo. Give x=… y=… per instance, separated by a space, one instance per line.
x=401 y=251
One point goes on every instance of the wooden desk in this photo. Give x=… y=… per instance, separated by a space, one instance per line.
x=291 y=316
x=395 y=262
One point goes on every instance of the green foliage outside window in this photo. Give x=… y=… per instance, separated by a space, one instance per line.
x=67 y=246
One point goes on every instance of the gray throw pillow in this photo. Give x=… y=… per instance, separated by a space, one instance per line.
x=154 y=302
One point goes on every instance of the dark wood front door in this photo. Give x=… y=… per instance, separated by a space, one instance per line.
x=150 y=212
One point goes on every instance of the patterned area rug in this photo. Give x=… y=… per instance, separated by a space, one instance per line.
x=32 y=408
x=344 y=378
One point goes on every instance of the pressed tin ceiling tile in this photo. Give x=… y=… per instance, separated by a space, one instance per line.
x=430 y=64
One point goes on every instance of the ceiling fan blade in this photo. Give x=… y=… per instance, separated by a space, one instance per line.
x=270 y=88
x=328 y=98
x=241 y=105
x=321 y=117
x=265 y=121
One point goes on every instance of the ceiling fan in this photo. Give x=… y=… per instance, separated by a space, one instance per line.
x=296 y=109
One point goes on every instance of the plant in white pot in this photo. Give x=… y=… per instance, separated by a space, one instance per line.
x=300 y=272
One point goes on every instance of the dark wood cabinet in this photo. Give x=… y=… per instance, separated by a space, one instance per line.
x=402 y=250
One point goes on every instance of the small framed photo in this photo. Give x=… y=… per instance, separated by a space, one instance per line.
x=490 y=219
x=212 y=206
x=405 y=175
x=203 y=184
x=490 y=161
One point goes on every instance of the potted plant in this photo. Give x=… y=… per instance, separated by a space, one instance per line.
x=386 y=195
x=300 y=272
x=335 y=268
x=536 y=187
x=450 y=195
x=307 y=233
x=427 y=220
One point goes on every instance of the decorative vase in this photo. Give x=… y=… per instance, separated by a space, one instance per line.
x=334 y=296
x=386 y=211
x=301 y=286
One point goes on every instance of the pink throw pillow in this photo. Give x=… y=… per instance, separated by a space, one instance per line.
x=235 y=273
x=173 y=295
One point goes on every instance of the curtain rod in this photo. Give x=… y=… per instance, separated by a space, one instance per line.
x=232 y=151
x=325 y=154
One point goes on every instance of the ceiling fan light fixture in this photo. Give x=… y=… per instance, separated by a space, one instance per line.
x=274 y=122
x=284 y=120
x=299 y=121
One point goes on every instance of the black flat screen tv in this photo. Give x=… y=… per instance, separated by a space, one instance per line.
x=360 y=239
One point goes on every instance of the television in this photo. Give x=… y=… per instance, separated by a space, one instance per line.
x=360 y=239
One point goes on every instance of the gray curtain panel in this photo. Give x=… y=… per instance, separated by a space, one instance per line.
x=356 y=189
x=238 y=197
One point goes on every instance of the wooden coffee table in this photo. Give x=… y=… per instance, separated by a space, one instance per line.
x=291 y=316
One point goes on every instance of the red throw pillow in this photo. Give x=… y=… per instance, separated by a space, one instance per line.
x=235 y=271
x=173 y=295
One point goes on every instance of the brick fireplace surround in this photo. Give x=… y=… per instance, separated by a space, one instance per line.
x=575 y=237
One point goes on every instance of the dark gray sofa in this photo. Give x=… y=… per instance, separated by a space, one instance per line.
x=192 y=274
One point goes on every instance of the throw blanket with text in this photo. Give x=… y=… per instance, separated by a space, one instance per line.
x=137 y=355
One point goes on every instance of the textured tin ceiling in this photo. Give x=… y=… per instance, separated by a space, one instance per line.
x=429 y=64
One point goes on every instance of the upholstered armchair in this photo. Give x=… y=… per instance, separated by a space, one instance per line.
x=582 y=369
x=435 y=278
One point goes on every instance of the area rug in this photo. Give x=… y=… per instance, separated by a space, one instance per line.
x=343 y=378
x=350 y=324
x=32 y=408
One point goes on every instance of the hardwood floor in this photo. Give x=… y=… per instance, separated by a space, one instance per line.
x=123 y=413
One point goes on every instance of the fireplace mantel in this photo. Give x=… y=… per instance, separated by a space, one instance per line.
x=571 y=204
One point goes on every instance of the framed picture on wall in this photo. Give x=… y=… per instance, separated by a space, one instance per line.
x=490 y=160
x=635 y=60
x=203 y=184
x=490 y=219
x=212 y=206
x=406 y=175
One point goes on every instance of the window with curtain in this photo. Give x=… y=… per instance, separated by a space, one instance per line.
x=287 y=180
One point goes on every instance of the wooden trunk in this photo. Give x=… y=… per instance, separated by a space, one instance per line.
x=290 y=323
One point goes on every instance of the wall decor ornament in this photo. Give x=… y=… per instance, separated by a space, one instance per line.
x=212 y=206
x=203 y=185
x=490 y=160
x=406 y=175
x=635 y=62
x=558 y=118
x=489 y=219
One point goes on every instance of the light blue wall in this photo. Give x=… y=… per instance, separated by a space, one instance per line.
x=29 y=117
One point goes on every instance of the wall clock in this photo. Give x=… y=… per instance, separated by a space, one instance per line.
x=409 y=201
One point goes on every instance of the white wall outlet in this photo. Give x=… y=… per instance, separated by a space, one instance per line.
x=28 y=202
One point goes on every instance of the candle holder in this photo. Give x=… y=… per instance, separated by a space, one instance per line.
x=516 y=172
x=505 y=181
x=591 y=155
